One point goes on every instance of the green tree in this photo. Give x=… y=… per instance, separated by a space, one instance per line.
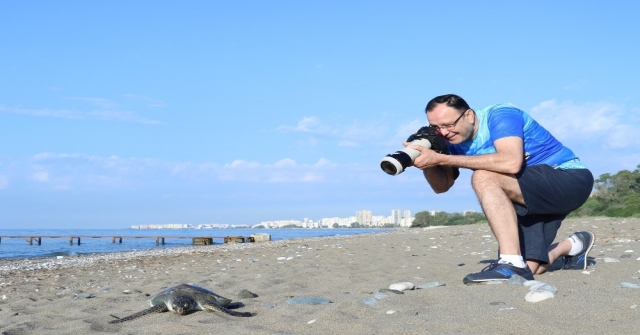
x=615 y=195
x=422 y=219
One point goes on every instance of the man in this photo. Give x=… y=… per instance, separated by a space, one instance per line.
x=526 y=182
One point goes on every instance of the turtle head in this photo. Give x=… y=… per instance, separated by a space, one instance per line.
x=183 y=304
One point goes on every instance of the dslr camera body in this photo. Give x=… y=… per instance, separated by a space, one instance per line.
x=397 y=162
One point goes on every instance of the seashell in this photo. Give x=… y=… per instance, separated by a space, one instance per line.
x=401 y=286
x=537 y=296
x=432 y=284
x=629 y=285
x=530 y=283
x=543 y=287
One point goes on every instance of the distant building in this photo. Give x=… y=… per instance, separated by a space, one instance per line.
x=395 y=214
x=364 y=217
x=163 y=226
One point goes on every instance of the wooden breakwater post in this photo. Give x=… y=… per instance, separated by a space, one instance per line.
x=261 y=237
x=202 y=240
x=234 y=239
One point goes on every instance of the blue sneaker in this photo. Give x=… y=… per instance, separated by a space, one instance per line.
x=579 y=261
x=498 y=271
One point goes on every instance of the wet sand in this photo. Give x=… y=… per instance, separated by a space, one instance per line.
x=80 y=295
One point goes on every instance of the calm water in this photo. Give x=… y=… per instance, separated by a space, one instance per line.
x=50 y=247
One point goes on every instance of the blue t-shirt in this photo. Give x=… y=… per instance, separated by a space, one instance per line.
x=502 y=120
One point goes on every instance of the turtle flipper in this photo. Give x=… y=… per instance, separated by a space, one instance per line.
x=159 y=308
x=213 y=306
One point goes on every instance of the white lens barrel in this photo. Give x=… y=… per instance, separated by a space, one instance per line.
x=395 y=163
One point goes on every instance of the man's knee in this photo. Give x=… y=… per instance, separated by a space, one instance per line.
x=483 y=178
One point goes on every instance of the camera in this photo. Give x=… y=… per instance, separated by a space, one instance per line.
x=395 y=163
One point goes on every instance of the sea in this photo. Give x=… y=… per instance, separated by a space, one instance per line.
x=17 y=248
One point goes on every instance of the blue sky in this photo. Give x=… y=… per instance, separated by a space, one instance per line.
x=118 y=113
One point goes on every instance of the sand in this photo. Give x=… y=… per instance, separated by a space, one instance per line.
x=79 y=295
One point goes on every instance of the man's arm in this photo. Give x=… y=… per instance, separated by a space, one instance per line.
x=440 y=178
x=508 y=159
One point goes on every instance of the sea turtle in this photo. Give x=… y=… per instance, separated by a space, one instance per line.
x=184 y=299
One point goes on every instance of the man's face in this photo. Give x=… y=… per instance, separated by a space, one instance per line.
x=451 y=125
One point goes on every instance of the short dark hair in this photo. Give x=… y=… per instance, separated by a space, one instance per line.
x=451 y=100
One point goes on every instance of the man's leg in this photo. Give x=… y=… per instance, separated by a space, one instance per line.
x=497 y=193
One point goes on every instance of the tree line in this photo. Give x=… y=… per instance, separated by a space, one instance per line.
x=615 y=195
x=426 y=219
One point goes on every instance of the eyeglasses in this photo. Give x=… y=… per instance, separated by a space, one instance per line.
x=449 y=126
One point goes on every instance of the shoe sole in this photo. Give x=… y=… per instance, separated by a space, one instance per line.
x=586 y=253
x=469 y=281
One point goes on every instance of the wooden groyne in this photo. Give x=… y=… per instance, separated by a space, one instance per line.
x=197 y=240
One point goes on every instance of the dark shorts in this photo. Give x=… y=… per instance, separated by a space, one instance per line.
x=549 y=195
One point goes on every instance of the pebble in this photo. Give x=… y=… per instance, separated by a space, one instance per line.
x=369 y=301
x=507 y=308
x=628 y=251
x=311 y=321
x=530 y=283
x=516 y=280
x=537 y=296
x=308 y=301
x=268 y=306
x=380 y=295
x=246 y=294
x=431 y=284
x=633 y=306
x=84 y=296
x=544 y=287
x=390 y=291
x=610 y=260
x=391 y=311
x=402 y=286
x=629 y=285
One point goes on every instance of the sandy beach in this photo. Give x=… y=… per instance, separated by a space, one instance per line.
x=80 y=295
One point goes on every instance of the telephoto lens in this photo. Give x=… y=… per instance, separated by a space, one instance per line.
x=395 y=163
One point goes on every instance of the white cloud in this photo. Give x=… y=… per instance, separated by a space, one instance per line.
x=100 y=102
x=50 y=155
x=308 y=124
x=150 y=102
x=41 y=176
x=599 y=122
x=75 y=170
x=60 y=113
x=106 y=112
x=123 y=116
x=4 y=182
x=285 y=163
x=575 y=86
x=353 y=135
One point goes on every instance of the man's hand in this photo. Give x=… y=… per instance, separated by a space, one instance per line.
x=427 y=159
